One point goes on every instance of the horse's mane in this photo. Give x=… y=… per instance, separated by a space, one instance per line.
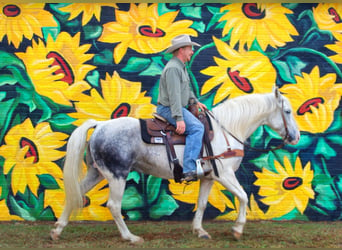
x=237 y=114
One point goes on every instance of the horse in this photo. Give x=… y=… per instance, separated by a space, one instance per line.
x=115 y=148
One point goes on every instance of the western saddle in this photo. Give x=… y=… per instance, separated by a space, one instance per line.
x=158 y=130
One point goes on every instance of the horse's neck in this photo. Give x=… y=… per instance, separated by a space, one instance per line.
x=242 y=116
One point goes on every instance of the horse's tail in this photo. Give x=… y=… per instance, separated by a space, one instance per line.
x=73 y=165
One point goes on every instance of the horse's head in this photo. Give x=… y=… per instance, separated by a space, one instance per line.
x=282 y=119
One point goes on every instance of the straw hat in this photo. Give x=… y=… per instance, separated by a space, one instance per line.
x=181 y=41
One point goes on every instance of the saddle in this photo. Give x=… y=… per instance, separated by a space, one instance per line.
x=158 y=130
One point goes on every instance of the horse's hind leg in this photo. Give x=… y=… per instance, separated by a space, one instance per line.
x=92 y=178
x=117 y=189
x=205 y=187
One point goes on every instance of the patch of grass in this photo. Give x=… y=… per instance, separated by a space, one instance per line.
x=171 y=234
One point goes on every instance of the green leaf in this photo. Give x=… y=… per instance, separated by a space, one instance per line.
x=322 y=148
x=284 y=71
x=132 y=199
x=153 y=188
x=322 y=179
x=62 y=122
x=52 y=31
x=48 y=181
x=92 y=31
x=134 y=215
x=193 y=12
x=337 y=139
x=295 y=65
x=216 y=16
x=199 y=26
x=166 y=205
x=326 y=197
x=135 y=176
x=155 y=68
x=18 y=210
x=136 y=64
x=305 y=141
x=93 y=78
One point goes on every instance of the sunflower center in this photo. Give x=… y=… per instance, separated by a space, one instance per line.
x=86 y=201
x=291 y=183
x=64 y=67
x=334 y=13
x=305 y=107
x=146 y=30
x=11 y=10
x=251 y=11
x=122 y=110
x=32 y=149
x=240 y=82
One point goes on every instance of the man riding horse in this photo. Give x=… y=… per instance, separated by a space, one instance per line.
x=174 y=96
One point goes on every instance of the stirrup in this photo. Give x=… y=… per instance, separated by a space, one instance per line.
x=199 y=169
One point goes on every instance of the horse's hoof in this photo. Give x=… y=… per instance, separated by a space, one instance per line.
x=137 y=240
x=205 y=236
x=53 y=235
x=236 y=235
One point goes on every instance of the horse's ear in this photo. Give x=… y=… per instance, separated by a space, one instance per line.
x=276 y=92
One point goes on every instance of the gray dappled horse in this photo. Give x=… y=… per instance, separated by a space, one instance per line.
x=115 y=148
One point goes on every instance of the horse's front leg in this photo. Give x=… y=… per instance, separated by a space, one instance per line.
x=230 y=182
x=205 y=187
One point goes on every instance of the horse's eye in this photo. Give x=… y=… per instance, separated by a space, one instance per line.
x=287 y=111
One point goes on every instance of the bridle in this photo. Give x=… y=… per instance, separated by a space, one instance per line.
x=245 y=144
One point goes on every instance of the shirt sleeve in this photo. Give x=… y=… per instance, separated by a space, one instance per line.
x=173 y=85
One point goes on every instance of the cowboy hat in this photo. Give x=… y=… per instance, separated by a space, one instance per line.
x=181 y=41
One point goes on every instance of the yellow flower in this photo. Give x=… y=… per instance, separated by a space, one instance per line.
x=58 y=68
x=189 y=194
x=143 y=30
x=266 y=23
x=328 y=17
x=89 y=10
x=337 y=47
x=23 y=20
x=253 y=212
x=314 y=99
x=94 y=202
x=287 y=189
x=119 y=97
x=31 y=151
x=238 y=73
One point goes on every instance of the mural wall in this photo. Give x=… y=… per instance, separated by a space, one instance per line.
x=61 y=64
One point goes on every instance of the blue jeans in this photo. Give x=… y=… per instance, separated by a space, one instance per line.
x=194 y=131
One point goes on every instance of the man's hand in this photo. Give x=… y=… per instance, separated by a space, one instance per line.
x=180 y=127
x=202 y=106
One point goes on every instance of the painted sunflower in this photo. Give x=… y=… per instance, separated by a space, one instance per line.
x=19 y=21
x=94 y=202
x=189 y=194
x=314 y=99
x=30 y=151
x=143 y=30
x=264 y=22
x=58 y=68
x=337 y=47
x=238 y=73
x=119 y=97
x=287 y=189
x=88 y=10
x=253 y=212
x=328 y=16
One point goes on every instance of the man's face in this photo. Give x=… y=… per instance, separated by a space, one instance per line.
x=187 y=52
